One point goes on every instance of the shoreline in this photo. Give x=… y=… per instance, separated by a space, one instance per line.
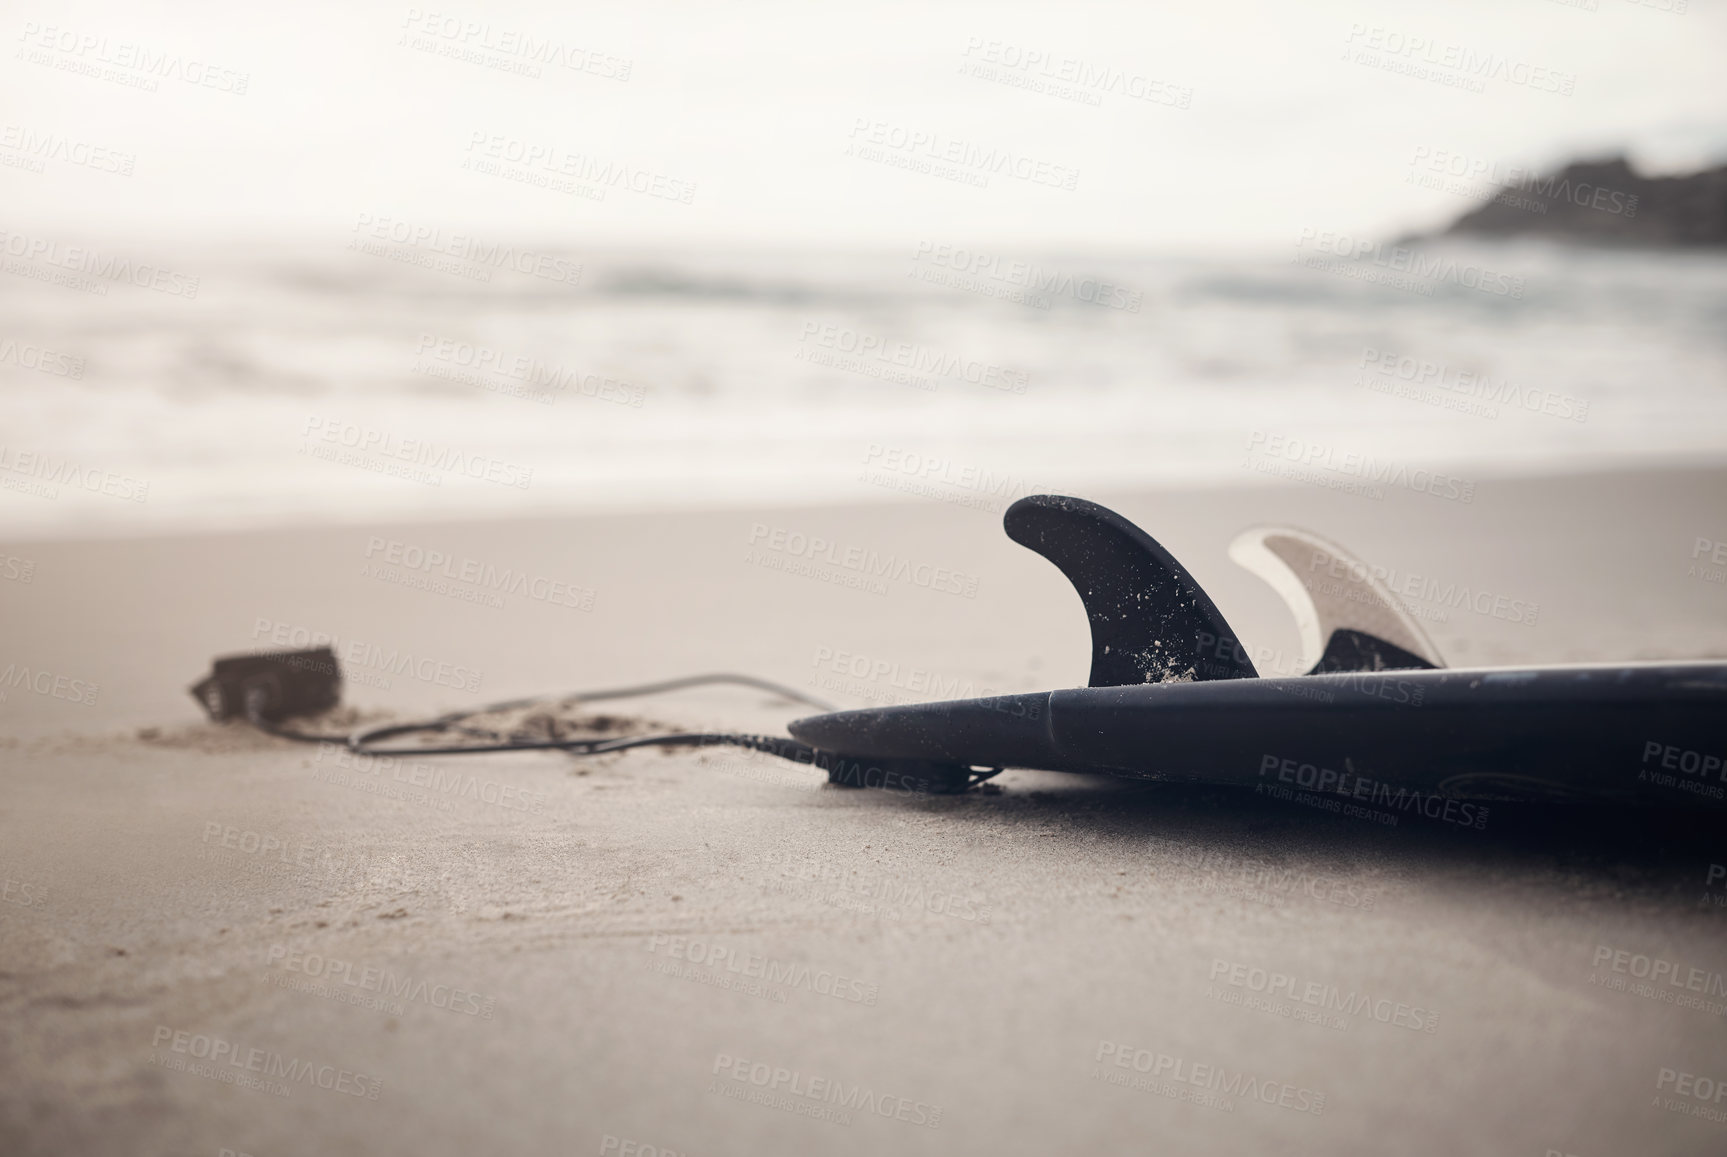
x=871 y=496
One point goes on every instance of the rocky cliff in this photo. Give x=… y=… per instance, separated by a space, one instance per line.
x=1605 y=202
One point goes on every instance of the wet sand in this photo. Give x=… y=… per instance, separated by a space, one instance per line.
x=213 y=940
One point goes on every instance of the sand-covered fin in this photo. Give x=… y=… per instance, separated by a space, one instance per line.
x=1150 y=622
x=1329 y=590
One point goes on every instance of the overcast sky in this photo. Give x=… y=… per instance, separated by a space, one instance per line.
x=1294 y=117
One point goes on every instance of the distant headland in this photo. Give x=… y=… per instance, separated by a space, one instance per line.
x=1604 y=202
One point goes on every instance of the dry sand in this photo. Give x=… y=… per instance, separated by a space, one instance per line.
x=580 y=970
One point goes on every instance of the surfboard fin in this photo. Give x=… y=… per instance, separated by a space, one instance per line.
x=1349 y=620
x=1150 y=622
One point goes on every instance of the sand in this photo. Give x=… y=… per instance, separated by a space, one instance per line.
x=213 y=940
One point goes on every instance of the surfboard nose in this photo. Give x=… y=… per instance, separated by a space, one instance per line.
x=1004 y=729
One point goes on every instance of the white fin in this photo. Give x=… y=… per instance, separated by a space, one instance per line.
x=1327 y=588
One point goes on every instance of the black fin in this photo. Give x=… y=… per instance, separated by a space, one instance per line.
x=1150 y=622
x=1359 y=651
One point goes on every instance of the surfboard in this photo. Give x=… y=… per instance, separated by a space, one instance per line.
x=1377 y=722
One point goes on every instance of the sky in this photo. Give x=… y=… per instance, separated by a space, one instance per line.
x=1233 y=123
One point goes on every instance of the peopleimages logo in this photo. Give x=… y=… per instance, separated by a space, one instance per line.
x=48 y=683
x=105 y=266
x=1692 y=1085
x=866 y=566
x=1704 y=1094
x=1308 y=457
x=933 y=472
x=1069 y=77
x=870 y=893
x=1372 y=791
x=356 y=655
x=528 y=49
x=441 y=785
x=329 y=437
x=479 y=573
x=891 y=676
x=1429 y=164
x=19 y=892
x=85 y=52
x=1326 y=997
x=540 y=160
x=43 y=361
x=37 y=147
x=1000 y=273
x=1419 y=55
x=1365 y=254
x=47 y=471
x=1656 y=979
x=913 y=358
x=345 y=974
x=1659 y=971
x=1670 y=757
x=1251 y=878
x=1407 y=585
x=752 y=966
x=1472 y=384
x=797 y=1092
x=1206 y=1083
x=245 y=1062
x=464 y=247
x=538 y=380
x=967 y=157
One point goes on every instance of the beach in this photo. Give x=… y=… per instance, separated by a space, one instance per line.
x=213 y=940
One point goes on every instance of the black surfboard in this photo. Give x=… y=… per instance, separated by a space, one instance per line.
x=1377 y=722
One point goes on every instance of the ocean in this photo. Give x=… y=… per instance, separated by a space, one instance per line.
x=417 y=374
